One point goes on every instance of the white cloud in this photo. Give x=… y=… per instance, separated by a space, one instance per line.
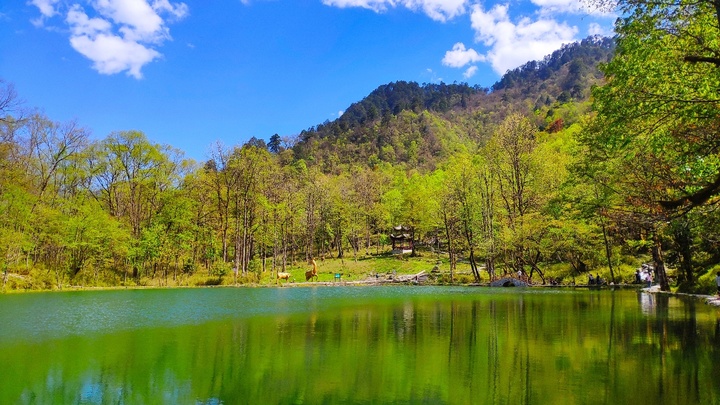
x=439 y=10
x=46 y=7
x=179 y=10
x=112 y=54
x=432 y=76
x=81 y=24
x=117 y=35
x=597 y=9
x=512 y=44
x=459 y=56
x=470 y=72
x=47 y=10
x=596 y=29
x=563 y=6
x=574 y=7
x=136 y=18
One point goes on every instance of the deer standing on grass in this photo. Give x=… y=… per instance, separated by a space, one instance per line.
x=282 y=276
x=312 y=273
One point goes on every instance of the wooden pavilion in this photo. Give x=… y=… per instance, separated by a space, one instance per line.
x=402 y=240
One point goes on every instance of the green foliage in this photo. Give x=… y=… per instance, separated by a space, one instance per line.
x=658 y=116
x=525 y=177
x=706 y=282
x=652 y=146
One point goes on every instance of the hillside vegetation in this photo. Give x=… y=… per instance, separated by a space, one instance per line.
x=423 y=125
x=519 y=178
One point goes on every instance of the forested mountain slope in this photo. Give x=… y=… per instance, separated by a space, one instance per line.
x=421 y=125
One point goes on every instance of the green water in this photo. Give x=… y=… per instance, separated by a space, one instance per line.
x=328 y=345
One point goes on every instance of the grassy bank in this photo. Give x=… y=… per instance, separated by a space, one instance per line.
x=349 y=269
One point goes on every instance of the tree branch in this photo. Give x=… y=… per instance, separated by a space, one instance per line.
x=708 y=59
x=695 y=199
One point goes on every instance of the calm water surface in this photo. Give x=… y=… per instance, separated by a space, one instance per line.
x=329 y=345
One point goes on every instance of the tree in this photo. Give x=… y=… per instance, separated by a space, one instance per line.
x=249 y=166
x=175 y=223
x=661 y=101
x=528 y=167
x=9 y=103
x=448 y=210
x=222 y=184
x=419 y=207
x=486 y=193
x=129 y=175
x=51 y=146
x=275 y=144
x=367 y=188
x=513 y=166
x=658 y=114
x=464 y=193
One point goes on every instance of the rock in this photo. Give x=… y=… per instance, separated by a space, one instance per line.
x=713 y=300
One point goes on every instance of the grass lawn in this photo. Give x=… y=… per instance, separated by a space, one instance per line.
x=363 y=267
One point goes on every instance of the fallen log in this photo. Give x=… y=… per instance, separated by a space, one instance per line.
x=420 y=277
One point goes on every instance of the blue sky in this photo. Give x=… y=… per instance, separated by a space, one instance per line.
x=195 y=72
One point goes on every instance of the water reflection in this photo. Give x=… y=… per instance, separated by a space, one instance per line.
x=647 y=303
x=380 y=346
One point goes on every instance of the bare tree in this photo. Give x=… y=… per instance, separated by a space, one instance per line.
x=10 y=104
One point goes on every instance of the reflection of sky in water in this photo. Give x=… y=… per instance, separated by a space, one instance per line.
x=38 y=316
x=91 y=393
x=647 y=303
x=57 y=314
x=392 y=344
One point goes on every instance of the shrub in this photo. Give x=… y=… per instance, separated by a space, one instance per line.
x=220 y=269
x=705 y=283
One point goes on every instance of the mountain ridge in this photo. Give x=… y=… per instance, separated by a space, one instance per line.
x=420 y=125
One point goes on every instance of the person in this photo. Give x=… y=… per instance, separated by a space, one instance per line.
x=591 y=280
x=717 y=281
x=638 y=280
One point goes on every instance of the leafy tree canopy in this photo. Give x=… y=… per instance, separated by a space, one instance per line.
x=660 y=111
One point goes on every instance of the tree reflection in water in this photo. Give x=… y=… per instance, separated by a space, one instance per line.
x=436 y=345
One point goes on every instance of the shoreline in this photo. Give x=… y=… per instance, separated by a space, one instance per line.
x=712 y=300
x=409 y=280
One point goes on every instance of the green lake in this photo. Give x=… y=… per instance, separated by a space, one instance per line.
x=358 y=345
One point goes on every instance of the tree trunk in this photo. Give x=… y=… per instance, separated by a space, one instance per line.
x=534 y=267
x=412 y=241
x=473 y=266
x=367 y=236
x=338 y=244
x=450 y=247
x=659 y=262
x=490 y=267
x=683 y=242
x=236 y=261
x=245 y=246
x=608 y=251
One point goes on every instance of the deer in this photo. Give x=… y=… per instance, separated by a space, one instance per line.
x=312 y=273
x=283 y=276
